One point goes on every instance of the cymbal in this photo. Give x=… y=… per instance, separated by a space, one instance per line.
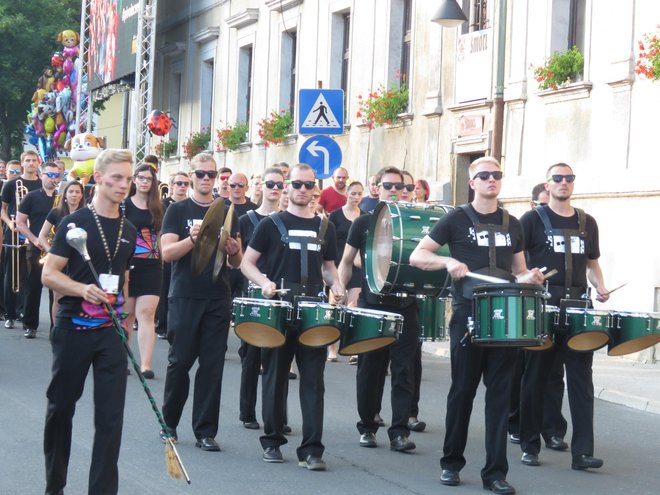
x=207 y=240
x=221 y=253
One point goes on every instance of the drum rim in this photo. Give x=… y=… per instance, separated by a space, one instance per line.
x=262 y=302
x=373 y=312
x=589 y=311
x=316 y=304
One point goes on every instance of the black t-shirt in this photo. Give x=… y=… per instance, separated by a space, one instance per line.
x=36 y=205
x=544 y=250
x=54 y=217
x=368 y=204
x=342 y=227
x=467 y=246
x=8 y=196
x=167 y=202
x=74 y=312
x=178 y=220
x=282 y=261
x=147 y=247
x=242 y=209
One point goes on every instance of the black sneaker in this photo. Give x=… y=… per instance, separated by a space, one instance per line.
x=313 y=463
x=169 y=433
x=30 y=333
x=272 y=454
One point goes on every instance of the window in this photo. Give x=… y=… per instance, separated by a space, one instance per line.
x=288 y=70
x=477 y=14
x=404 y=69
x=568 y=21
x=340 y=53
x=206 y=94
x=244 y=83
x=175 y=103
x=400 y=41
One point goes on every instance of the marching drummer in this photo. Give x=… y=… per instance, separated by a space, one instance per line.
x=199 y=309
x=481 y=237
x=372 y=366
x=560 y=236
x=304 y=258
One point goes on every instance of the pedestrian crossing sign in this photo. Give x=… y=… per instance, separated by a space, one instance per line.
x=321 y=111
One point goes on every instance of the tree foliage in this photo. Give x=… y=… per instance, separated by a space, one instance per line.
x=28 y=38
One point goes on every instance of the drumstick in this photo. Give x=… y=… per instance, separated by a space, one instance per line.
x=281 y=290
x=616 y=288
x=552 y=272
x=486 y=278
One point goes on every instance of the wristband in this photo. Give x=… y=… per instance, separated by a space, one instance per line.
x=191 y=239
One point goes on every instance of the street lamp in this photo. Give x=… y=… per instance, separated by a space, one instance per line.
x=449 y=14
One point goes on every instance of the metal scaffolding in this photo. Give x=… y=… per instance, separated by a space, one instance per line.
x=142 y=101
x=83 y=101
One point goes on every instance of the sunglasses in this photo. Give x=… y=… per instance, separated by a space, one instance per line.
x=497 y=175
x=558 y=178
x=409 y=187
x=144 y=178
x=50 y=175
x=211 y=174
x=271 y=184
x=237 y=184
x=15 y=171
x=225 y=177
x=297 y=184
x=389 y=185
x=181 y=183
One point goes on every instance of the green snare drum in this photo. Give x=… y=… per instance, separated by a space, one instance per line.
x=431 y=318
x=507 y=315
x=550 y=321
x=394 y=232
x=366 y=330
x=588 y=329
x=261 y=322
x=320 y=323
x=633 y=332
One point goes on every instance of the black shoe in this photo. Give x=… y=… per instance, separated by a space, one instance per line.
x=530 y=459
x=161 y=336
x=251 y=425
x=416 y=425
x=556 y=443
x=292 y=375
x=500 y=486
x=450 y=478
x=402 y=444
x=9 y=324
x=368 y=440
x=313 y=463
x=209 y=444
x=30 y=333
x=286 y=430
x=169 y=433
x=353 y=360
x=272 y=454
x=584 y=461
x=515 y=438
x=148 y=374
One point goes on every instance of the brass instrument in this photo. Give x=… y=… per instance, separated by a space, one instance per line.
x=51 y=234
x=21 y=192
x=163 y=190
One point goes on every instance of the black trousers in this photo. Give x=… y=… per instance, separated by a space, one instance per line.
x=372 y=368
x=554 y=422
x=161 y=312
x=33 y=289
x=538 y=367
x=197 y=330
x=468 y=364
x=13 y=300
x=514 y=407
x=311 y=366
x=417 y=381
x=74 y=351
x=250 y=366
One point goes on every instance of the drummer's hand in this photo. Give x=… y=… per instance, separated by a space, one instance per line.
x=194 y=232
x=232 y=246
x=338 y=293
x=533 y=276
x=268 y=289
x=602 y=294
x=456 y=269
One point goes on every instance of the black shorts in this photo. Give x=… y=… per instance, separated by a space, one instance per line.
x=146 y=280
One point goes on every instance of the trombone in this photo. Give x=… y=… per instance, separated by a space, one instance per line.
x=163 y=190
x=21 y=192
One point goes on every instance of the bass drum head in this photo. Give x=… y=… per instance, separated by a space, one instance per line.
x=379 y=248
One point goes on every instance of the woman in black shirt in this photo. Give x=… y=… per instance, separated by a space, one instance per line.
x=145 y=211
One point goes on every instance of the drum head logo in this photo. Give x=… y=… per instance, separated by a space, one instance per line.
x=426 y=229
x=497 y=314
x=328 y=314
x=531 y=315
x=597 y=321
x=255 y=312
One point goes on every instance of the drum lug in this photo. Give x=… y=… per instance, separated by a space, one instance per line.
x=414 y=217
x=470 y=326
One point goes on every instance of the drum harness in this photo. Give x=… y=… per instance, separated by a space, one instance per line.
x=303 y=291
x=573 y=297
x=492 y=269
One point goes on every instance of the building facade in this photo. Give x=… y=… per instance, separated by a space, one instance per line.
x=221 y=61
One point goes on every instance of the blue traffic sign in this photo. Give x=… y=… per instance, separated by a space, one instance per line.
x=321 y=153
x=321 y=111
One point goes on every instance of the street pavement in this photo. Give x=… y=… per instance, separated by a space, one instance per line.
x=626 y=437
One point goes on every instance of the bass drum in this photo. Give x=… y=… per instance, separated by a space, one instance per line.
x=395 y=230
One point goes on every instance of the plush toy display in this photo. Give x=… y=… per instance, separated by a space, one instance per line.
x=83 y=148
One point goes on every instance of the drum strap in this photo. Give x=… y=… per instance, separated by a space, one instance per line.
x=304 y=243
x=566 y=234
x=253 y=218
x=492 y=229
